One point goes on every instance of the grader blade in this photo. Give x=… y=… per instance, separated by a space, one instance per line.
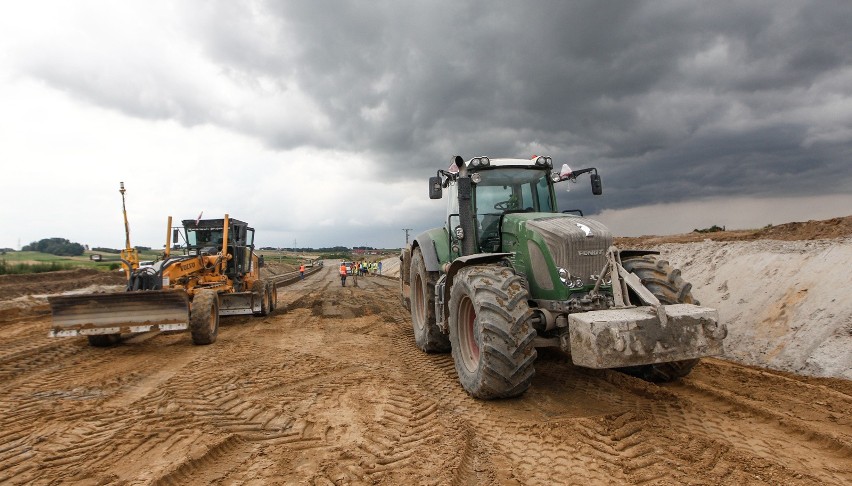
x=120 y=312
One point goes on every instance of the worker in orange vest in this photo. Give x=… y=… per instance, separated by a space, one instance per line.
x=343 y=274
x=302 y=271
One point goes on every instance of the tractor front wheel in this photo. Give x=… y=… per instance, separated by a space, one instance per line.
x=668 y=287
x=490 y=332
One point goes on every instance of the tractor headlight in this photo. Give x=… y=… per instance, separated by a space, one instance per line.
x=485 y=161
x=475 y=162
x=459 y=232
x=476 y=178
x=564 y=276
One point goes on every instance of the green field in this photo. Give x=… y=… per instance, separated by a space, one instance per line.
x=34 y=261
x=285 y=257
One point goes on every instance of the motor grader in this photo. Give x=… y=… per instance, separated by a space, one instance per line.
x=508 y=273
x=217 y=274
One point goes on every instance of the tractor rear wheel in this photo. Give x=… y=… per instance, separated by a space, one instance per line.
x=404 y=272
x=204 y=317
x=427 y=335
x=668 y=287
x=490 y=332
x=103 y=340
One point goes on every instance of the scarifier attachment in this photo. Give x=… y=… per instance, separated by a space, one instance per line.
x=238 y=303
x=119 y=312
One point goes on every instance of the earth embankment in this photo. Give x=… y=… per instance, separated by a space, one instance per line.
x=785 y=302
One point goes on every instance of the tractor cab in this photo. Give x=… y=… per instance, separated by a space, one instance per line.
x=508 y=190
x=497 y=187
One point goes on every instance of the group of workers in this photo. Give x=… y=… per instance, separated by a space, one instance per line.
x=358 y=268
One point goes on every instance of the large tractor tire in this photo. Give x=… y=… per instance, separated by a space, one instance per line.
x=427 y=335
x=404 y=272
x=103 y=340
x=490 y=332
x=273 y=297
x=668 y=287
x=260 y=293
x=204 y=317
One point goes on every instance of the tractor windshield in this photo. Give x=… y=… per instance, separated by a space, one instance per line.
x=509 y=189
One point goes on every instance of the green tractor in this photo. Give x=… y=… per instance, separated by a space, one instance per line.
x=508 y=273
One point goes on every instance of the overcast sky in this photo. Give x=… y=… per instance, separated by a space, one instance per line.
x=319 y=122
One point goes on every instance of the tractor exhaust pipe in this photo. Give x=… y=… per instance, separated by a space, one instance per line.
x=466 y=215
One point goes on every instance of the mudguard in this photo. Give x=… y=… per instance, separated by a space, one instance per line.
x=445 y=285
x=426 y=241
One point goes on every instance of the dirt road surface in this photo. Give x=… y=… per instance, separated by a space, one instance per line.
x=330 y=389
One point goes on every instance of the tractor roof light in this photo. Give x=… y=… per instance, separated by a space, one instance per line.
x=480 y=162
x=476 y=178
x=544 y=162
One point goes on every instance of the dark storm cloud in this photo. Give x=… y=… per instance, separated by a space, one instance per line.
x=673 y=100
x=670 y=100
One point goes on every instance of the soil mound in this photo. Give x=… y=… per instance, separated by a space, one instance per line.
x=796 y=231
x=13 y=286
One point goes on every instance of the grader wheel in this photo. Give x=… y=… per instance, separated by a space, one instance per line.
x=260 y=293
x=273 y=297
x=104 y=340
x=204 y=317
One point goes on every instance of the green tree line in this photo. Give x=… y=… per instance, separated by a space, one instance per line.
x=55 y=246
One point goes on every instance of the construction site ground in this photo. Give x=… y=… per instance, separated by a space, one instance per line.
x=330 y=389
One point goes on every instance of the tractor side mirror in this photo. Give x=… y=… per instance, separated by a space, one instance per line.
x=175 y=236
x=435 y=189
x=260 y=261
x=597 y=188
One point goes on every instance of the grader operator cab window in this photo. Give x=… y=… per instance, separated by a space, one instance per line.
x=204 y=237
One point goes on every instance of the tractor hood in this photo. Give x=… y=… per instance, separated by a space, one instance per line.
x=574 y=243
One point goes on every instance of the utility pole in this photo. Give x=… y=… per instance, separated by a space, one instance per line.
x=406 y=235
